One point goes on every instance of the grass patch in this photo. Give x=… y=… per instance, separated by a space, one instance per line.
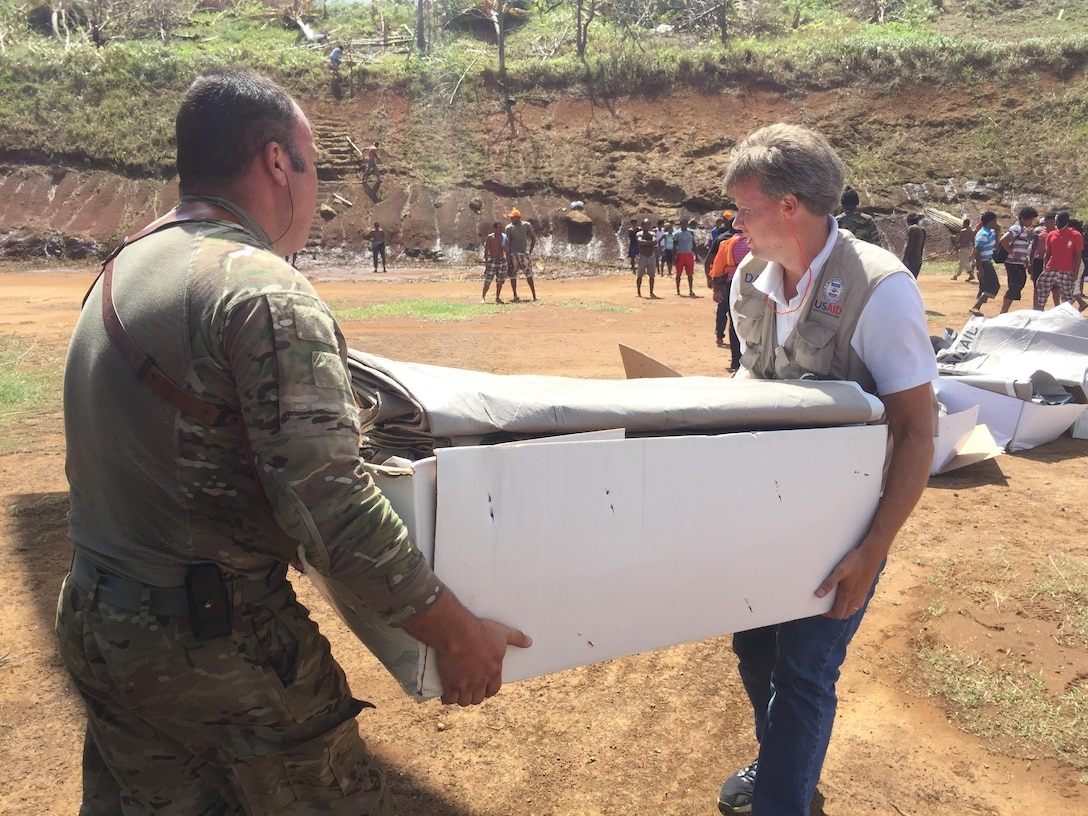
x=992 y=694
x=1009 y=705
x=596 y=306
x=430 y=311
x=29 y=376
x=30 y=385
x=1064 y=583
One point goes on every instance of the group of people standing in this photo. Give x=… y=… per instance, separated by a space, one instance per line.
x=506 y=253
x=1050 y=252
x=659 y=251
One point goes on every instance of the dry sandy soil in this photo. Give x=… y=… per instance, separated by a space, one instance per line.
x=650 y=734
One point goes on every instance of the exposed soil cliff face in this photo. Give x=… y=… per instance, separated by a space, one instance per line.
x=634 y=157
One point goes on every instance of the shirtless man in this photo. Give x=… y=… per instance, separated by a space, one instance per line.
x=965 y=251
x=372 y=163
x=377 y=245
x=494 y=261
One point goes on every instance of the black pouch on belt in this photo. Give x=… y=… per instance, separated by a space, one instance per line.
x=209 y=601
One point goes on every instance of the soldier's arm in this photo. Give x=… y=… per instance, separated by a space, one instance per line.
x=287 y=354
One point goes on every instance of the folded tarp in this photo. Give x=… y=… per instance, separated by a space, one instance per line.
x=412 y=408
x=1014 y=346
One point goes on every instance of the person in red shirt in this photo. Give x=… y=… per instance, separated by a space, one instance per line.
x=1061 y=263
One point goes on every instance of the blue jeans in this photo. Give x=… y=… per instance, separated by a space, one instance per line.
x=789 y=671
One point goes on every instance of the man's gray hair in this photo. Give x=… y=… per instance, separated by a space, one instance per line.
x=789 y=159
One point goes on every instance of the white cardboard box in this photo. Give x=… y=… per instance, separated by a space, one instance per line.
x=961 y=441
x=1080 y=427
x=1015 y=424
x=602 y=548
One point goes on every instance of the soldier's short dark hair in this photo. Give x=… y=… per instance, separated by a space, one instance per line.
x=226 y=119
x=913 y=218
x=850 y=198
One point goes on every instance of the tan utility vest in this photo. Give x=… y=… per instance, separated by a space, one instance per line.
x=819 y=344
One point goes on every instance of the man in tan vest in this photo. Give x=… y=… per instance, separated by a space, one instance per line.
x=811 y=299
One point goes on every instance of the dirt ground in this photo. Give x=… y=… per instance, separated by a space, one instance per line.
x=650 y=734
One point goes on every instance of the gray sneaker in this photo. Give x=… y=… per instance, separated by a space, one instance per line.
x=736 y=793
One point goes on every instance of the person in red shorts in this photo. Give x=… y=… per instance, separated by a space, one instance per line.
x=684 y=243
x=1061 y=263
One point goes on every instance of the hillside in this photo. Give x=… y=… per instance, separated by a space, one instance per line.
x=923 y=118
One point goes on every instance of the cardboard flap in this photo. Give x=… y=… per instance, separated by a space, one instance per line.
x=637 y=365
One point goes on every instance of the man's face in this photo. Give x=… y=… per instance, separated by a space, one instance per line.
x=760 y=218
x=302 y=200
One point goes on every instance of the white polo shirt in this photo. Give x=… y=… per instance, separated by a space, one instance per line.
x=891 y=336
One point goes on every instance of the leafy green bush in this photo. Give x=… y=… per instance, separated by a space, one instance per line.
x=112 y=106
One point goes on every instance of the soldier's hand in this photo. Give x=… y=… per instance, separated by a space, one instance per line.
x=470 y=649
x=473 y=672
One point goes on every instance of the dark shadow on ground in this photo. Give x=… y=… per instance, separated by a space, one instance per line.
x=372 y=189
x=41 y=550
x=987 y=472
x=40 y=547
x=1063 y=448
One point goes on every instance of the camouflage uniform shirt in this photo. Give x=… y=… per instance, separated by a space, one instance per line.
x=153 y=489
x=862 y=225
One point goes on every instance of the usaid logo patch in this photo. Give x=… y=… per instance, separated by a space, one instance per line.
x=834 y=290
x=828 y=302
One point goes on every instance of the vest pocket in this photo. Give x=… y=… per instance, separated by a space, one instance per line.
x=813 y=350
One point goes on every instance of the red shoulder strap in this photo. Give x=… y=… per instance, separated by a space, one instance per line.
x=146 y=371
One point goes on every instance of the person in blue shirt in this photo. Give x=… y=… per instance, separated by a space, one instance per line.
x=985 y=244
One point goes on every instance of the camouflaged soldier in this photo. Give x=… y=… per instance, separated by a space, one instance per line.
x=862 y=225
x=208 y=688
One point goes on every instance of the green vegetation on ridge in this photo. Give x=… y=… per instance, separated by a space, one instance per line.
x=64 y=98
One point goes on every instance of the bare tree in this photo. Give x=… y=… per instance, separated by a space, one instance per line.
x=585 y=11
x=421 y=39
x=100 y=20
x=635 y=13
x=697 y=15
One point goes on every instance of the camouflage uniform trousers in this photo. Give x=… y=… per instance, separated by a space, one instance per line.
x=258 y=722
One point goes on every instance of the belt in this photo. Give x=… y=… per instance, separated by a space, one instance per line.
x=172 y=602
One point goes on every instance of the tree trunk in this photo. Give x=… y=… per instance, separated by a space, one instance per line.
x=498 y=17
x=421 y=40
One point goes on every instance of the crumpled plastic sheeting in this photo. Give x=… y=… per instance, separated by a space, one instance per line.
x=409 y=409
x=1016 y=345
